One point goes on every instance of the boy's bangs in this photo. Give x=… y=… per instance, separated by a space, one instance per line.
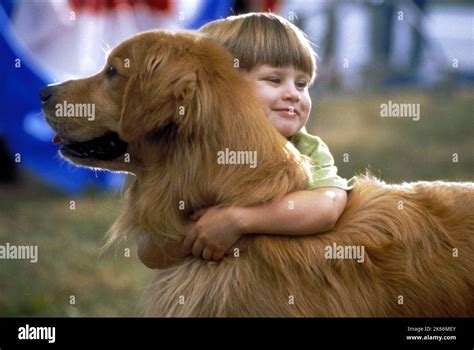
x=264 y=38
x=273 y=43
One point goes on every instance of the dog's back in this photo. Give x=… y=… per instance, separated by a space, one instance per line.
x=416 y=242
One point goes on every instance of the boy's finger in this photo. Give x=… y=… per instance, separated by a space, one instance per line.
x=218 y=255
x=189 y=240
x=197 y=248
x=207 y=253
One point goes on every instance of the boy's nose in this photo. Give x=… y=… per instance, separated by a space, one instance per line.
x=290 y=91
x=293 y=96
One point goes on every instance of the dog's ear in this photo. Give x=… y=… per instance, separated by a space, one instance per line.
x=162 y=94
x=185 y=92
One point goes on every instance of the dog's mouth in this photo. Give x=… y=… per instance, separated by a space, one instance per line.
x=106 y=147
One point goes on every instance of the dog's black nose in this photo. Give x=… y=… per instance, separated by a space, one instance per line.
x=46 y=92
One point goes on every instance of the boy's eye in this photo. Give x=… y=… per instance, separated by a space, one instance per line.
x=273 y=80
x=302 y=84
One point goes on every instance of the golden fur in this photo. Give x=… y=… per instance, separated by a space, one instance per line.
x=410 y=232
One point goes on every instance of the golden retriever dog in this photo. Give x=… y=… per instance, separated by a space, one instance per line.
x=165 y=104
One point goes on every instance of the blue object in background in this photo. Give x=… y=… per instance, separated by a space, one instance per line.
x=21 y=120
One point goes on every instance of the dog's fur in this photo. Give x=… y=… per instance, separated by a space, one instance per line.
x=418 y=238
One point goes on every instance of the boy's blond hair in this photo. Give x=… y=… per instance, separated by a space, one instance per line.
x=263 y=38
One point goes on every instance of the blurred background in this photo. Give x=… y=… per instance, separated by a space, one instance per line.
x=371 y=54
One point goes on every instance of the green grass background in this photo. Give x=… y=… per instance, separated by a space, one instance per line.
x=395 y=149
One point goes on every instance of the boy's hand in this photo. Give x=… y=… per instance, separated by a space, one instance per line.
x=215 y=231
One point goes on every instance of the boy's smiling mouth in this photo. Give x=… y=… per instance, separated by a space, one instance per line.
x=287 y=111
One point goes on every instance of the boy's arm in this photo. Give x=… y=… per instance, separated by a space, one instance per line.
x=219 y=228
x=298 y=213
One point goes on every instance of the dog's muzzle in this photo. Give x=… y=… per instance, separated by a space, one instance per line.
x=106 y=147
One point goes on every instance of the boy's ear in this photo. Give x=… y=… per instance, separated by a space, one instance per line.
x=157 y=98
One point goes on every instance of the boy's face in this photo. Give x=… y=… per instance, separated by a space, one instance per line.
x=283 y=93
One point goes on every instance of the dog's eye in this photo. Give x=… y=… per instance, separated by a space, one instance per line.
x=111 y=71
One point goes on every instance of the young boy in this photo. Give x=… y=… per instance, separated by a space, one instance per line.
x=278 y=61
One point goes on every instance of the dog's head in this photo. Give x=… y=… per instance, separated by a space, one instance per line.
x=150 y=87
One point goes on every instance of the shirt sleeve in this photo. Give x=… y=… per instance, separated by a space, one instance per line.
x=322 y=163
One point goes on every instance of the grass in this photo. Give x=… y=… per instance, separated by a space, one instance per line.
x=69 y=266
x=398 y=149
